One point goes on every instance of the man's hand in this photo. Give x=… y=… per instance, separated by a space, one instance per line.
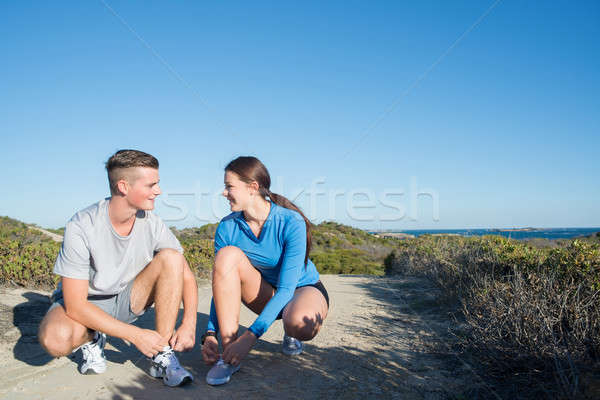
x=147 y=342
x=236 y=351
x=184 y=338
x=210 y=350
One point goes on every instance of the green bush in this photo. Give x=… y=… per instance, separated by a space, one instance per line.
x=26 y=255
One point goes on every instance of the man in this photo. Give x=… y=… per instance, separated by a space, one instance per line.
x=116 y=260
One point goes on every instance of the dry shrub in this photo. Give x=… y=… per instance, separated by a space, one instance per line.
x=533 y=313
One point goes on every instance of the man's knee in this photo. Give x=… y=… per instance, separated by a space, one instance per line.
x=57 y=339
x=171 y=259
x=226 y=259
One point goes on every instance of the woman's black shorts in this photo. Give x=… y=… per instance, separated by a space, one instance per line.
x=320 y=287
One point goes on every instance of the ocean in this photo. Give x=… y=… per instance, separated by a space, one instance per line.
x=549 y=233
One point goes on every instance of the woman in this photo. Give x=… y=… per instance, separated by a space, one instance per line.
x=261 y=259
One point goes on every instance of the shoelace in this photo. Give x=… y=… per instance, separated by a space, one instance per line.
x=168 y=359
x=220 y=362
x=91 y=351
x=289 y=341
x=85 y=349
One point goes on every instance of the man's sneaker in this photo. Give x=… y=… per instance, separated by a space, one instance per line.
x=221 y=373
x=291 y=346
x=165 y=365
x=94 y=361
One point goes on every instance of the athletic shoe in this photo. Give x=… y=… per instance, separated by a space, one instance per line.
x=165 y=365
x=291 y=346
x=221 y=373
x=94 y=361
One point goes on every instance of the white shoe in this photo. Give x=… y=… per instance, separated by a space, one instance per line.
x=221 y=373
x=165 y=365
x=94 y=361
x=291 y=346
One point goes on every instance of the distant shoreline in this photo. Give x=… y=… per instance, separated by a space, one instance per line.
x=513 y=233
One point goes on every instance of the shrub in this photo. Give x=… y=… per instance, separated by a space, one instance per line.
x=533 y=313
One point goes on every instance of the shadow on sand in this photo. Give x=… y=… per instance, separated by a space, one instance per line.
x=27 y=317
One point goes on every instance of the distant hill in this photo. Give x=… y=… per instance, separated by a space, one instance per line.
x=336 y=248
x=13 y=229
x=341 y=249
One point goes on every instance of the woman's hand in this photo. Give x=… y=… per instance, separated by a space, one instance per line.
x=236 y=351
x=210 y=350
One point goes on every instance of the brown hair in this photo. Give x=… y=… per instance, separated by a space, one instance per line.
x=250 y=169
x=119 y=162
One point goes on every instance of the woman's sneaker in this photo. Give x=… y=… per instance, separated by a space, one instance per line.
x=165 y=365
x=94 y=361
x=221 y=373
x=291 y=346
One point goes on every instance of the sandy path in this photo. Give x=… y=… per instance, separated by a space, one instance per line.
x=374 y=344
x=54 y=236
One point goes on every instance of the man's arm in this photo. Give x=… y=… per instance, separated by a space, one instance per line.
x=78 y=308
x=185 y=336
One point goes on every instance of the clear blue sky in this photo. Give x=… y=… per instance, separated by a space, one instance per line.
x=505 y=128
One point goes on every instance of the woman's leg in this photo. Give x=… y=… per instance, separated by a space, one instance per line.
x=305 y=313
x=235 y=280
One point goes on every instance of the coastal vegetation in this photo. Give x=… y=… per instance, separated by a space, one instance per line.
x=27 y=256
x=530 y=311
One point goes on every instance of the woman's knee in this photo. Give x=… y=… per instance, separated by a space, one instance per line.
x=226 y=259
x=301 y=326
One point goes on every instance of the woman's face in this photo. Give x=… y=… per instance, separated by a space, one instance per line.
x=238 y=192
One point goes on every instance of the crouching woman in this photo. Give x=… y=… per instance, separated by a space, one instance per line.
x=261 y=260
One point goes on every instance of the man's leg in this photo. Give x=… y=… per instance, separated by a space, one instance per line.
x=59 y=335
x=161 y=283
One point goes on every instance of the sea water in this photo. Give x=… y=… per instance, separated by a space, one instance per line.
x=546 y=233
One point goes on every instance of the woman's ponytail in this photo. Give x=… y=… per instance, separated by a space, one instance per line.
x=284 y=202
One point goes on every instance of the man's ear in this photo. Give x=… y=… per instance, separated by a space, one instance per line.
x=123 y=187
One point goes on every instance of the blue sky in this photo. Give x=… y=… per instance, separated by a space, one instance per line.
x=503 y=131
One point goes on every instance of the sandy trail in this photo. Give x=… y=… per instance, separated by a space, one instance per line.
x=375 y=343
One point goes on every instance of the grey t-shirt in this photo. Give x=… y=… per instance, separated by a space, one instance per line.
x=94 y=251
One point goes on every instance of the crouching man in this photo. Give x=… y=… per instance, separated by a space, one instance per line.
x=116 y=260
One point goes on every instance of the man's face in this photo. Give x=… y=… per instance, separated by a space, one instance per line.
x=143 y=188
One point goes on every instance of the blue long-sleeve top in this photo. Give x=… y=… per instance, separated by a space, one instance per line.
x=278 y=254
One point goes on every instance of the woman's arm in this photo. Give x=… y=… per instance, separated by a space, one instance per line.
x=291 y=268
